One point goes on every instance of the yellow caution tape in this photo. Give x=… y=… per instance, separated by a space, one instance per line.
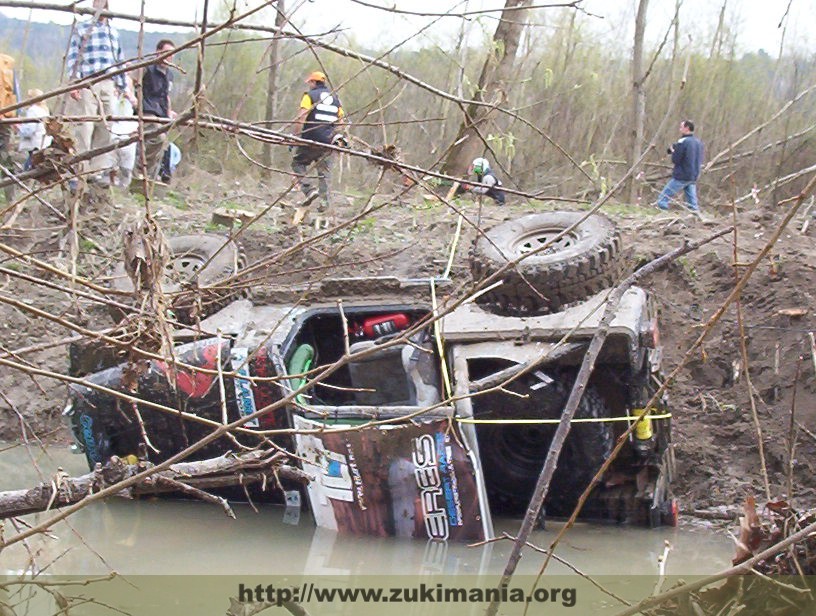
x=454 y=244
x=556 y=421
x=439 y=344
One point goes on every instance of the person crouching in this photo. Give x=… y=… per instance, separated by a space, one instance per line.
x=488 y=183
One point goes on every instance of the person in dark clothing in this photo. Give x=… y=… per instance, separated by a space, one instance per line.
x=490 y=184
x=170 y=160
x=157 y=84
x=320 y=113
x=687 y=156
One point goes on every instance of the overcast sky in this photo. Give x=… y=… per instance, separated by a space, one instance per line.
x=756 y=21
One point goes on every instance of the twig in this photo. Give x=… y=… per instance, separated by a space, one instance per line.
x=804 y=429
x=742 y=568
x=346 y=345
x=503 y=376
x=662 y=559
x=563 y=561
x=792 y=428
x=221 y=390
x=757 y=129
x=746 y=365
x=813 y=350
x=196 y=493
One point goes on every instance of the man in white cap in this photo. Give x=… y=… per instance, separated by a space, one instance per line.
x=488 y=185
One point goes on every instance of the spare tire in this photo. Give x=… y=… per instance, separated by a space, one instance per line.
x=196 y=263
x=574 y=267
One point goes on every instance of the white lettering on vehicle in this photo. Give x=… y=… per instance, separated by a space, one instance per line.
x=429 y=482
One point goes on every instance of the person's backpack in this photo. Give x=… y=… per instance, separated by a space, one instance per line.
x=8 y=93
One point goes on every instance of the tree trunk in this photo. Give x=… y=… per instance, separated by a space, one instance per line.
x=638 y=97
x=272 y=84
x=457 y=78
x=199 y=78
x=494 y=83
x=228 y=470
x=719 y=34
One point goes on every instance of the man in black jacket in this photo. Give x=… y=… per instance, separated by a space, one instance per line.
x=687 y=156
x=320 y=112
x=157 y=84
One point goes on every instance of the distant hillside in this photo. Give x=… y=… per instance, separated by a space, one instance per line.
x=39 y=47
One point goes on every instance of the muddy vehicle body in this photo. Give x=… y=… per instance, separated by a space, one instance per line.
x=473 y=394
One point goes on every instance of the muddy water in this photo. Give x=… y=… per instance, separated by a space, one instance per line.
x=179 y=537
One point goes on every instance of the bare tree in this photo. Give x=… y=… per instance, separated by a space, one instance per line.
x=638 y=94
x=272 y=80
x=583 y=112
x=492 y=87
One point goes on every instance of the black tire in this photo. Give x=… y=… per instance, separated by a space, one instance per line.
x=583 y=262
x=512 y=455
x=106 y=425
x=206 y=258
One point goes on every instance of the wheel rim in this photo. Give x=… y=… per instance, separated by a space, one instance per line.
x=184 y=268
x=534 y=240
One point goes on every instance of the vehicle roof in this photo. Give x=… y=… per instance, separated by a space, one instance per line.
x=467 y=323
x=472 y=323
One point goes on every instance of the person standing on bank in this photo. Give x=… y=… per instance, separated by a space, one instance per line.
x=157 y=85
x=94 y=49
x=122 y=130
x=9 y=95
x=687 y=156
x=32 y=134
x=320 y=113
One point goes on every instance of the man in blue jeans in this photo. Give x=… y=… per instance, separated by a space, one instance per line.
x=687 y=156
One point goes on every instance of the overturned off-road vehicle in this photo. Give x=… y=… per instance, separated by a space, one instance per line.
x=416 y=425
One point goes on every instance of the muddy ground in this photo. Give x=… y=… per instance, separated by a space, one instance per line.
x=410 y=236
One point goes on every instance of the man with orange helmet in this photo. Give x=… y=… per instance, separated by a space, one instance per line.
x=320 y=112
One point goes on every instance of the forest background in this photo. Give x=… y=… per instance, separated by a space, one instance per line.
x=569 y=122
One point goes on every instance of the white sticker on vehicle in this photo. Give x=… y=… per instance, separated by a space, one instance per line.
x=243 y=386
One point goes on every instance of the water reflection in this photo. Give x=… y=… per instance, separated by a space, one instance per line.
x=153 y=536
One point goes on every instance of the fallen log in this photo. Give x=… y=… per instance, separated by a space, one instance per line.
x=723 y=515
x=192 y=478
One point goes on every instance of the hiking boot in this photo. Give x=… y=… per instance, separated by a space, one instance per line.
x=100 y=179
x=321 y=223
x=311 y=195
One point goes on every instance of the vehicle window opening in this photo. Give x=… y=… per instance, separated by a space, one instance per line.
x=404 y=374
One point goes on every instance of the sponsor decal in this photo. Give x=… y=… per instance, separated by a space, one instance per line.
x=86 y=424
x=410 y=480
x=243 y=386
x=194 y=383
x=262 y=391
x=429 y=482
